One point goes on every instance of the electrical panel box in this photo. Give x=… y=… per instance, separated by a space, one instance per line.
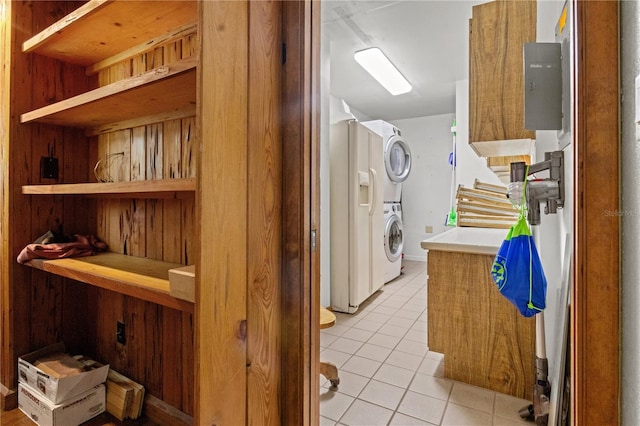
x=542 y=86
x=563 y=36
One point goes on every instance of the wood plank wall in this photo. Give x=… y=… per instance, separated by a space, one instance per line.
x=158 y=351
x=47 y=308
x=32 y=314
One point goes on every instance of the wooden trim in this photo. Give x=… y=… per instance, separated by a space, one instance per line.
x=315 y=67
x=264 y=244
x=164 y=414
x=300 y=305
x=8 y=397
x=222 y=216
x=595 y=321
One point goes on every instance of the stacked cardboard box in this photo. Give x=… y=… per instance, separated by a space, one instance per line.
x=54 y=389
x=485 y=206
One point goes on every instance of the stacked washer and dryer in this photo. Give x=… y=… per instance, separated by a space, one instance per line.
x=368 y=163
x=397 y=165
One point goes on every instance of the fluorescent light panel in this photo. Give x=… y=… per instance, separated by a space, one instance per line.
x=380 y=67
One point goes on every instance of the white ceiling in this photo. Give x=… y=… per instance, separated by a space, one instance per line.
x=426 y=39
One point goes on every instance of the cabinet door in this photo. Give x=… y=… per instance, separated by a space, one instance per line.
x=497 y=33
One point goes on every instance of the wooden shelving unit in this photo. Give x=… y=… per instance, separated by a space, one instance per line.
x=168 y=88
x=103 y=28
x=138 y=277
x=121 y=76
x=162 y=188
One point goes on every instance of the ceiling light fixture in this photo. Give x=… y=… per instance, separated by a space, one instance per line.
x=380 y=67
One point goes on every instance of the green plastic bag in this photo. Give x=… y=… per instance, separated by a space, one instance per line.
x=517 y=270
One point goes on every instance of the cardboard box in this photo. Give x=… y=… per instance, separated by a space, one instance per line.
x=55 y=389
x=182 y=282
x=74 y=411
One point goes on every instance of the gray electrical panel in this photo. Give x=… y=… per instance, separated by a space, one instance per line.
x=542 y=86
x=563 y=36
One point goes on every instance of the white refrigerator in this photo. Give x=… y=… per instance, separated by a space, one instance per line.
x=357 y=217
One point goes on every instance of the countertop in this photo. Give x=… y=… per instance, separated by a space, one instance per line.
x=467 y=240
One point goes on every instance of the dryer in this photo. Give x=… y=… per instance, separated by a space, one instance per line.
x=396 y=157
x=393 y=241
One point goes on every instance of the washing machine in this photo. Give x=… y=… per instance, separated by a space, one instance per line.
x=397 y=159
x=393 y=240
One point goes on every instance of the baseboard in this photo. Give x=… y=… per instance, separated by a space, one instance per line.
x=165 y=414
x=8 y=398
x=416 y=258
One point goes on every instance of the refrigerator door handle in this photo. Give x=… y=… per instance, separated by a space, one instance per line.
x=374 y=189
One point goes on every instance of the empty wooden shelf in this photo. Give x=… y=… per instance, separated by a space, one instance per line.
x=100 y=29
x=138 y=277
x=161 y=188
x=170 y=87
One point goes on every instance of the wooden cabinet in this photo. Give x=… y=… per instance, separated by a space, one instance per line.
x=497 y=32
x=180 y=101
x=484 y=339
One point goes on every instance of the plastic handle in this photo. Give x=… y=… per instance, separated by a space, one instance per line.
x=374 y=189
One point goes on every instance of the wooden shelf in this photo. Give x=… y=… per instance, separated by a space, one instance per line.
x=138 y=277
x=162 y=188
x=170 y=87
x=504 y=148
x=103 y=28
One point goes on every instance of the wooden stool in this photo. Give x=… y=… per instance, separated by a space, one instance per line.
x=328 y=370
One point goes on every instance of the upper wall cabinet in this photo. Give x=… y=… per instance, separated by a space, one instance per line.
x=497 y=32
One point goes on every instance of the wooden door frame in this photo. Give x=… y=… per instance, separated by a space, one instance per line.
x=299 y=397
x=595 y=335
x=595 y=321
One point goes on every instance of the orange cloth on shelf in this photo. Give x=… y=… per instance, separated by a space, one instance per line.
x=84 y=245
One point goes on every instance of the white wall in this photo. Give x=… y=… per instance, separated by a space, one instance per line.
x=630 y=216
x=325 y=206
x=469 y=166
x=426 y=192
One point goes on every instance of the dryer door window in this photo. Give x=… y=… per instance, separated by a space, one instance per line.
x=397 y=159
x=393 y=238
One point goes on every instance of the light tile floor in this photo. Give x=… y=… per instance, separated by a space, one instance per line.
x=387 y=374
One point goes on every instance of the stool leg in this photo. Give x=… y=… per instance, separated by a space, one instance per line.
x=330 y=371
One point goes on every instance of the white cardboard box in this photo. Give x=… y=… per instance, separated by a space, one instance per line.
x=72 y=412
x=55 y=389
x=182 y=282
